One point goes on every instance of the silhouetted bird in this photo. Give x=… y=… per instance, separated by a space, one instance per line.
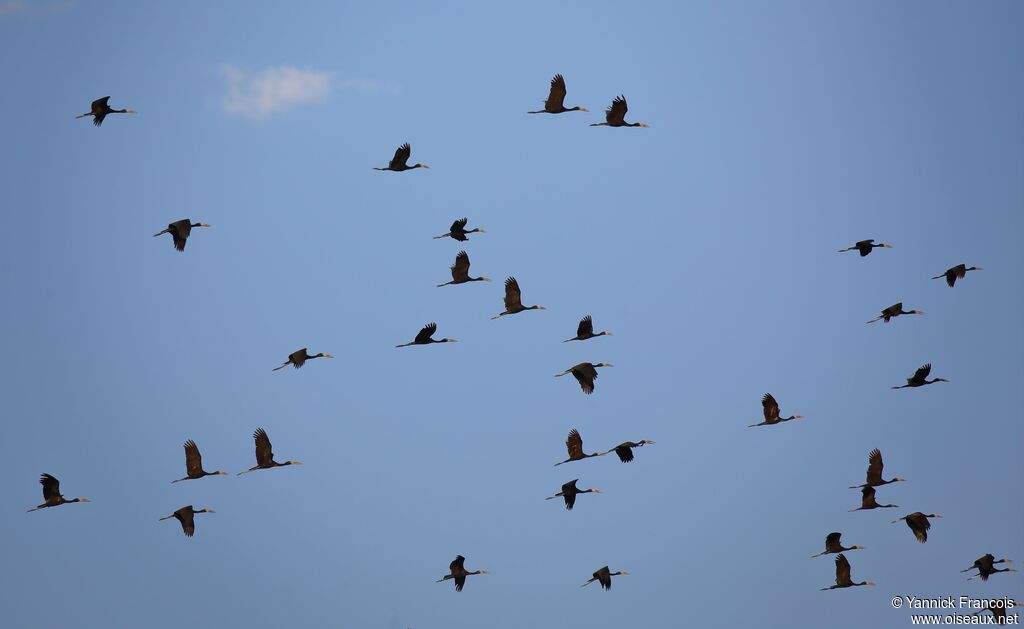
x=423 y=338
x=460 y=271
x=956 y=273
x=179 y=231
x=771 y=412
x=615 y=115
x=867 y=500
x=919 y=379
x=833 y=545
x=459 y=232
x=100 y=109
x=918 y=524
x=585 y=331
x=186 y=515
x=604 y=577
x=400 y=161
x=457 y=571
x=265 y=453
x=298 y=358
x=570 y=491
x=514 y=300
x=585 y=374
x=843 y=575
x=625 y=450
x=194 y=464
x=555 y=104
x=574 y=444
x=51 y=494
x=865 y=247
x=986 y=567
x=895 y=310
x=874 y=473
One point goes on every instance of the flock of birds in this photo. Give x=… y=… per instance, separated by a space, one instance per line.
x=585 y=373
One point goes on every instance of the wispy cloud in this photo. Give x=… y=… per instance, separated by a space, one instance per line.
x=272 y=91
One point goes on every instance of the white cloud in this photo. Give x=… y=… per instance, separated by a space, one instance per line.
x=273 y=90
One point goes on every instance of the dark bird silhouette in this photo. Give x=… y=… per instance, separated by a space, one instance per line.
x=604 y=577
x=186 y=515
x=514 y=300
x=874 y=473
x=460 y=271
x=570 y=491
x=400 y=161
x=100 y=109
x=833 y=545
x=194 y=464
x=298 y=358
x=865 y=246
x=459 y=232
x=265 y=453
x=867 y=500
x=625 y=450
x=615 y=116
x=956 y=273
x=843 y=575
x=919 y=379
x=585 y=331
x=771 y=412
x=423 y=338
x=585 y=374
x=51 y=494
x=919 y=524
x=179 y=231
x=555 y=104
x=986 y=566
x=574 y=444
x=457 y=571
x=895 y=310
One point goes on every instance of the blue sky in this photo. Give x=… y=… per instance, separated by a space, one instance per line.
x=779 y=133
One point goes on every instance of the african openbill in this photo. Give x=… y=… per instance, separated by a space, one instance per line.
x=400 y=161
x=514 y=300
x=570 y=491
x=919 y=379
x=843 y=579
x=833 y=545
x=771 y=412
x=298 y=358
x=986 y=566
x=186 y=515
x=918 y=524
x=179 y=231
x=423 y=337
x=194 y=464
x=460 y=271
x=865 y=246
x=51 y=494
x=585 y=374
x=956 y=273
x=604 y=577
x=459 y=232
x=457 y=570
x=895 y=310
x=265 y=453
x=555 y=104
x=867 y=500
x=615 y=115
x=100 y=109
x=585 y=331
x=874 y=473
x=574 y=445
x=625 y=450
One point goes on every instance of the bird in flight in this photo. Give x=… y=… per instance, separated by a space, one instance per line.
x=423 y=337
x=771 y=412
x=100 y=108
x=843 y=579
x=874 y=473
x=298 y=358
x=555 y=104
x=51 y=494
x=867 y=500
x=920 y=378
x=574 y=445
x=615 y=115
x=186 y=515
x=265 y=453
x=604 y=577
x=585 y=374
x=180 y=231
x=918 y=524
x=457 y=570
x=986 y=566
x=400 y=161
x=956 y=273
x=514 y=300
x=866 y=246
x=585 y=331
x=570 y=491
x=833 y=545
x=895 y=310
x=194 y=464
x=460 y=271
x=459 y=232
x=625 y=450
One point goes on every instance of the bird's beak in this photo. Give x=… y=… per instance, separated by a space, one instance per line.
x=210 y=511
x=484 y=572
x=84 y=500
x=203 y=225
x=481 y=230
x=130 y=111
x=624 y=573
x=584 y=109
x=645 y=126
x=936 y=516
x=607 y=333
x=541 y=308
x=295 y=462
x=607 y=365
x=326 y=355
x=424 y=166
x=487 y=279
x=596 y=490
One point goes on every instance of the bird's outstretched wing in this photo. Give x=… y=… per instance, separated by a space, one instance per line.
x=264 y=451
x=513 y=297
x=616 y=114
x=457 y=564
x=460 y=270
x=832 y=539
x=625 y=453
x=771 y=407
x=586 y=327
x=556 y=97
x=875 y=466
x=574 y=444
x=842 y=569
x=459 y=225
x=401 y=156
x=425 y=334
x=51 y=487
x=193 y=459
x=923 y=372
